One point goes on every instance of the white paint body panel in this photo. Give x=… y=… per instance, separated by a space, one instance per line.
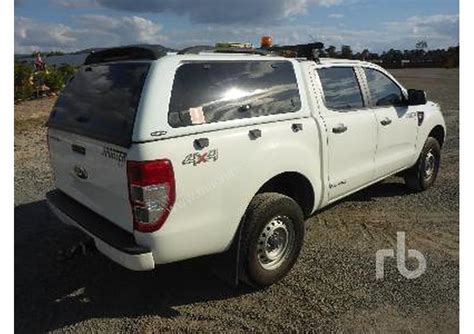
x=211 y=198
x=105 y=191
x=396 y=142
x=352 y=153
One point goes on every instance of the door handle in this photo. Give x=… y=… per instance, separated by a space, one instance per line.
x=386 y=121
x=340 y=128
x=255 y=134
x=201 y=143
x=78 y=149
x=297 y=127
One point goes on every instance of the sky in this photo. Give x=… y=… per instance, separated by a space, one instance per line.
x=377 y=25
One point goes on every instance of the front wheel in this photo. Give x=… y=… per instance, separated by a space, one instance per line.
x=423 y=175
x=273 y=235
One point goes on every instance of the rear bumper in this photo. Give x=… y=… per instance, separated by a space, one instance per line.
x=110 y=240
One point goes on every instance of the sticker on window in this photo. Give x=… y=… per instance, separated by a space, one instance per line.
x=197 y=115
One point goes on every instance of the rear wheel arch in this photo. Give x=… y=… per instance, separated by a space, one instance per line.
x=268 y=215
x=294 y=185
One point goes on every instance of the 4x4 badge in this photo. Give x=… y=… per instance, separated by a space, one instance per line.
x=201 y=157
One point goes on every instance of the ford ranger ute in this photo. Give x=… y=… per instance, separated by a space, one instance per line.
x=228 y=150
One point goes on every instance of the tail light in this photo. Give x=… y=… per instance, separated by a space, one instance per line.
x=152 y=193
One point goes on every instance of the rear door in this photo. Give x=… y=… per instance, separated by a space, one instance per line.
x=352 y=131
x=90 y=132
x=396 y=121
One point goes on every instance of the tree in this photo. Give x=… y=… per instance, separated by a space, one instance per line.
x=365 y=54
x=421 y=45
x=346 y=52
x=322 y=53
x=331 y=51
x=23 y=81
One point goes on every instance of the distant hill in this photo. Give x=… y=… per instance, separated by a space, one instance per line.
x=77 y=58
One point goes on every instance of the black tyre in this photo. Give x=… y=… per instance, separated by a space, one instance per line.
x=423 y=175
x=272 y=238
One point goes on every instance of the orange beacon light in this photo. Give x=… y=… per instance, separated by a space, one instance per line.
x=266 y=42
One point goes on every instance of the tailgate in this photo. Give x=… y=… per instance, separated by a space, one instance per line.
x=90 y=132
x=94 y=173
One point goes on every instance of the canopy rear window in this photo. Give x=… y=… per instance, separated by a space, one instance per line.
x=101 y=101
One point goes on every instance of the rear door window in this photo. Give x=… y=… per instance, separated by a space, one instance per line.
x=101 y=101
x=341 y=88
x=222 y=91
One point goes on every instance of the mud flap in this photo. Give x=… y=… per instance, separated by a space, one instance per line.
x=228 y=266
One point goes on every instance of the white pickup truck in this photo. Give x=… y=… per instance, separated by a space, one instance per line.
x=162 y=159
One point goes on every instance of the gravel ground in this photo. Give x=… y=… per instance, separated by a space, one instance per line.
x=332 y=287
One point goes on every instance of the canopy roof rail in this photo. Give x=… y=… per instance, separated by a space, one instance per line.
x=124 y=53
x=196 y=49
x=308 y=51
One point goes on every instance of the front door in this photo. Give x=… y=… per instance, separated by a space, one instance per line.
x=397 y=124
x=352 y=131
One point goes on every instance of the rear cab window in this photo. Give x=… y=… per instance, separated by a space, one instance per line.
x=101 y=102
x=341 y=88
x=219 y=91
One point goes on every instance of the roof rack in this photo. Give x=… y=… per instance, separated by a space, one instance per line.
x=308 y=51
x=204 y=48
x=243 y=50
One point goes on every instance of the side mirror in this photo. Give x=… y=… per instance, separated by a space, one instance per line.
x=416 y=97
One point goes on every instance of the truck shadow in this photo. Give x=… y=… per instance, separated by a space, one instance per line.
x=53 y=291
x=379 y=190
x=383 y=189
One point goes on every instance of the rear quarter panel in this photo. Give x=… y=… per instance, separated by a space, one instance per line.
x=212 y=196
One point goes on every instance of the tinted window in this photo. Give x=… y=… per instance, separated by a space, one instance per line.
x=222 y=91
x=383 y=91
x=341 y=88
x=101 y=102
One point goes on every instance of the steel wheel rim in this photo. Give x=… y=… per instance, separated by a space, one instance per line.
x=275 y=242
x=430 y=165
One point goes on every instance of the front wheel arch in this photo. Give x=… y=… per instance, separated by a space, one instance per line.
x=439 y=134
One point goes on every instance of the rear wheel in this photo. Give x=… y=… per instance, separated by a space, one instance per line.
x=272 y=238
x=423 y=175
